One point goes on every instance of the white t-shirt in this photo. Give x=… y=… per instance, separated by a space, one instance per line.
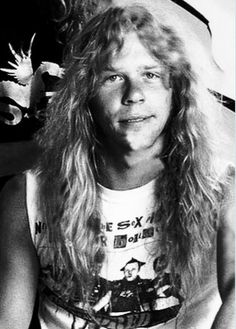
x=128 y=293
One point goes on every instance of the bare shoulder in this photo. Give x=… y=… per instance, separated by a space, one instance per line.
x=226 y=236
x=227 y=218
x=14 y=224
x=13 y=211
x=18 y=259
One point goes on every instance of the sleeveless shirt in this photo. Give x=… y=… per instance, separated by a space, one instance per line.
x=128 y=293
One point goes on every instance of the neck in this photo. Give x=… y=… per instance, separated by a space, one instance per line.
x=123 y=171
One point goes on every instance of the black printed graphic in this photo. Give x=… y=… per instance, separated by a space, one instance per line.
x=127 y=303
x=120 y=241
x=135 y=294
x=140 y=293
x=40 y=227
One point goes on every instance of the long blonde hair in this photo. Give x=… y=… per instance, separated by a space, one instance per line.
x=189 y=188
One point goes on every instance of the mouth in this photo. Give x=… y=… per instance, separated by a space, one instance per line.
x=136 y=119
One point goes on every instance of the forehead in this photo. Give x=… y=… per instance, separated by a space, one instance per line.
x=132 y=53
x=131 y=265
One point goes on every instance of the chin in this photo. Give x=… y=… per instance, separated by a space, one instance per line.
x=137 y=145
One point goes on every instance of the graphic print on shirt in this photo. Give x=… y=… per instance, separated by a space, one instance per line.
x=133 y=288
x=142 y=282
x=128 y=285
x=135 y=294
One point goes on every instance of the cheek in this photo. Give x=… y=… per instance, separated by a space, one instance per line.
x=159 y=94
x=97 y=103
x=163 y=108
x=105 y=105
x=100 y=111
x=98 y=106
x=166 y=101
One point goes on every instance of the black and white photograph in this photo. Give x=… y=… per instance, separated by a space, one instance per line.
x=117 y=164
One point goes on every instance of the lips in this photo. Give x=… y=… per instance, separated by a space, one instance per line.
x=135 y=119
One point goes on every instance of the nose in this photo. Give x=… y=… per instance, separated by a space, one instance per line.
x=133 y=93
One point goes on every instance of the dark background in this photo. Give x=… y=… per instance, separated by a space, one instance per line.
x=19 y=20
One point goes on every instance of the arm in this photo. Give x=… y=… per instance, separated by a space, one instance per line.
x=18 y=260
x=225 y=262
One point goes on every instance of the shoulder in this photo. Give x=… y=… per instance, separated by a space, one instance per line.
x=227 y=214
x=18 y=259
x=226 y=235
x=13 y=223
x=13 y=208
x=13 y=193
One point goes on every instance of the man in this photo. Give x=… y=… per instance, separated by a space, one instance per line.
x=128 y=171
x=131 y=292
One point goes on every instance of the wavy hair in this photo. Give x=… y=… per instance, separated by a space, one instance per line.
x=71 y=15
x=188 y=189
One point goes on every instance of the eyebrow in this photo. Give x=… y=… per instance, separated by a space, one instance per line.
x=110 y=68
x=152 y=67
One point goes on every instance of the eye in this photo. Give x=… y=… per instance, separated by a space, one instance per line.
x=114 y=78
x=152 y=76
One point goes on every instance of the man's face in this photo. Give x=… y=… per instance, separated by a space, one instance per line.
x=131 y=271
x=132 y=104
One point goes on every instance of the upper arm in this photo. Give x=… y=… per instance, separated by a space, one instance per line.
x=226 y=242
x=18 y=260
